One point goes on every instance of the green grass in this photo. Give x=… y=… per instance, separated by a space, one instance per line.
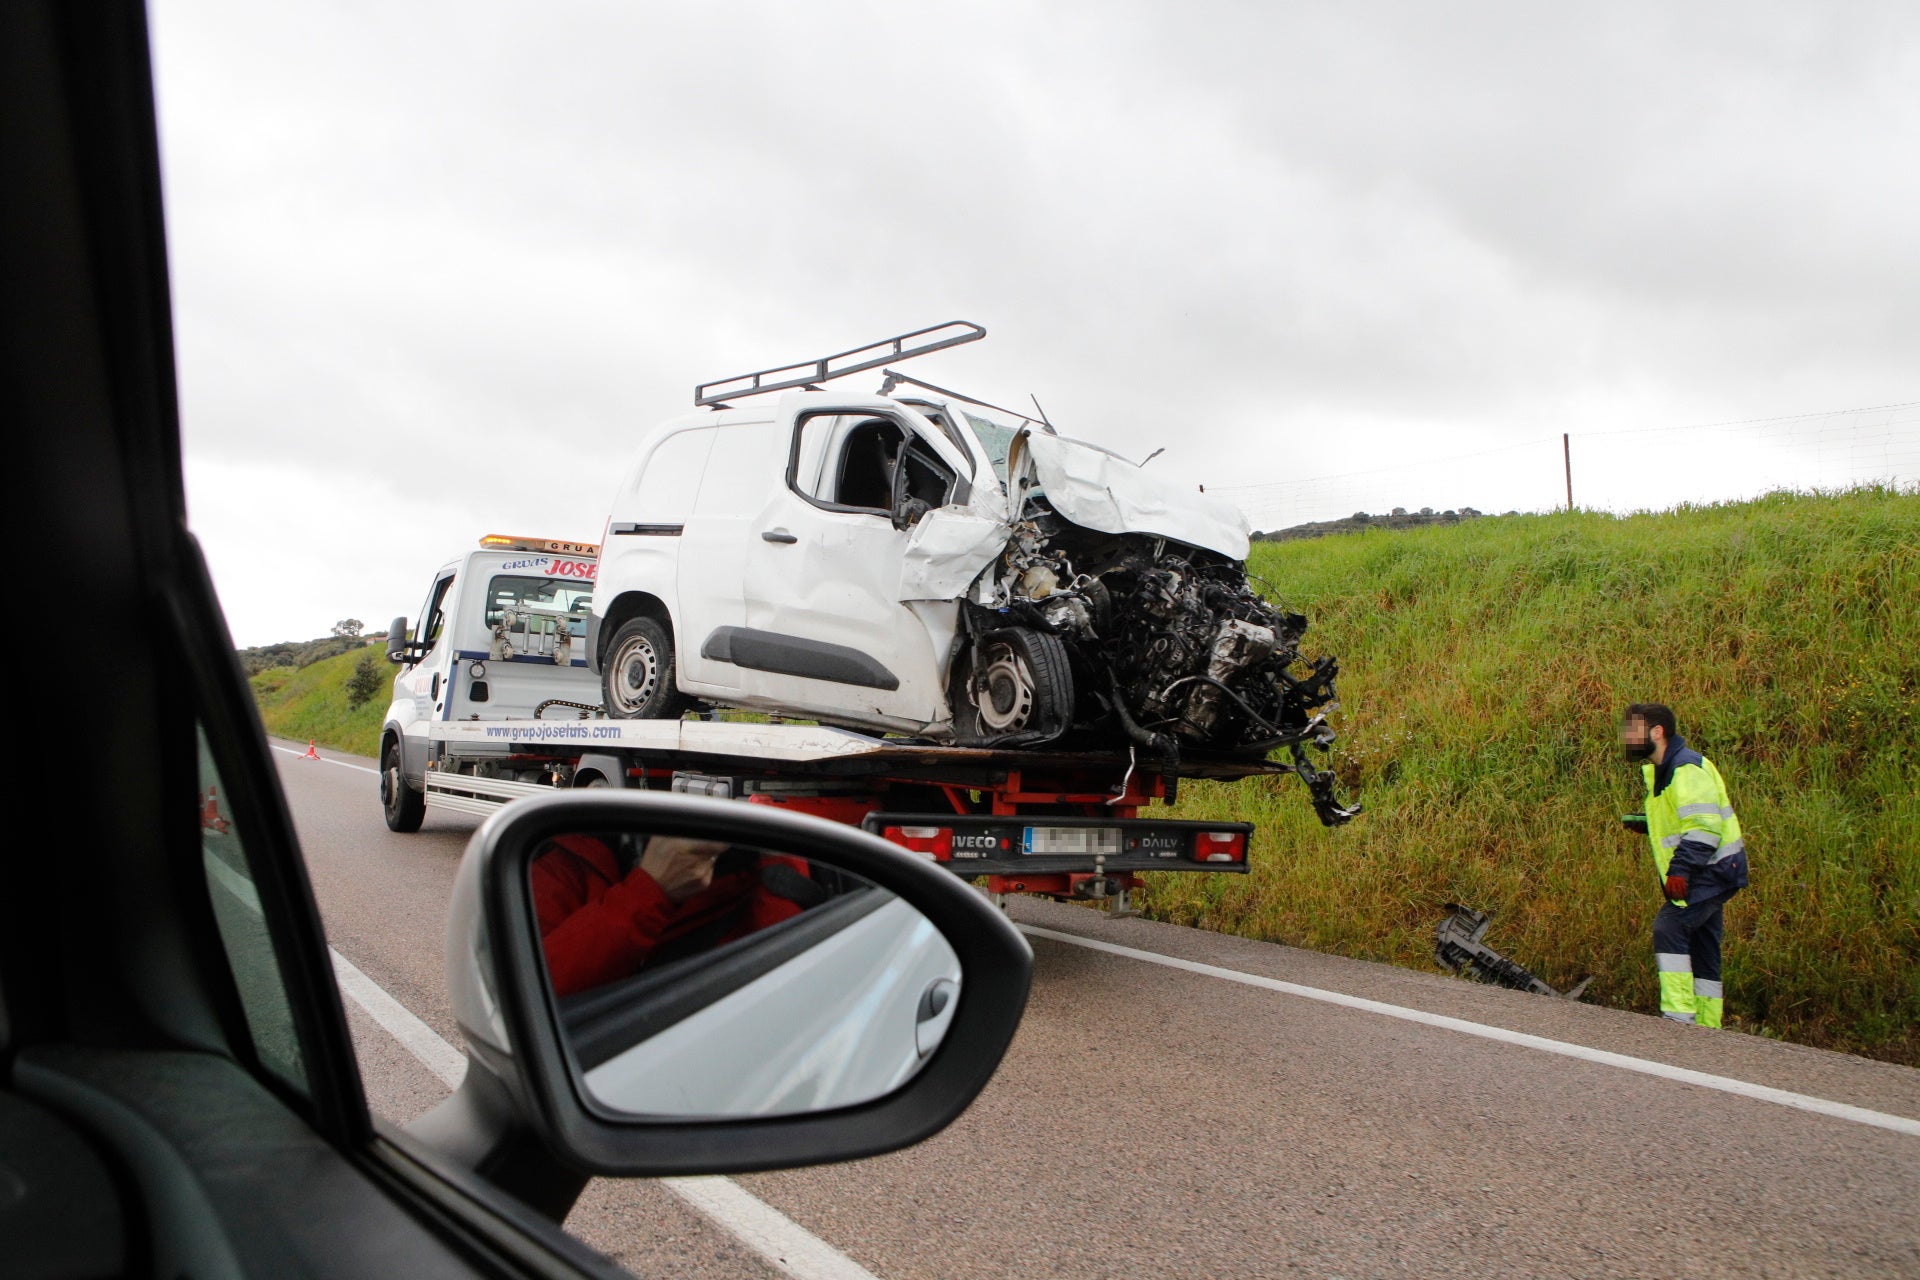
x=1483 y=671
x=310 y=703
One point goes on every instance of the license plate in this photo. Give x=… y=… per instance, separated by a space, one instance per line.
x=1087 y=841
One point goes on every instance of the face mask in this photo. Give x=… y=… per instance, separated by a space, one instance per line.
x=1638 y=750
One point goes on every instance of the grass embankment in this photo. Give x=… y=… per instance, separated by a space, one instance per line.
x=1483 y=670
x=309 y=703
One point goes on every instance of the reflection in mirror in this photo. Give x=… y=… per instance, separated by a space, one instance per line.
x=700 y=979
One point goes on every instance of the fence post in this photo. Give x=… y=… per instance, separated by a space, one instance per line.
x=1566 y=456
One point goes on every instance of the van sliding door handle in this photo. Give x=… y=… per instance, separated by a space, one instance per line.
x=777 y=535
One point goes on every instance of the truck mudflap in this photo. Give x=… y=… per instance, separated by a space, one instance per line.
x=1058 y=850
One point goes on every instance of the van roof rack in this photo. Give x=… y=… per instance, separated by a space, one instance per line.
x=808 y=374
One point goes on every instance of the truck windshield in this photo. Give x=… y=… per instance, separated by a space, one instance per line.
x=539 y=605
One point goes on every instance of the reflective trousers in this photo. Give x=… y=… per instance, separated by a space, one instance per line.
x=1686 y=948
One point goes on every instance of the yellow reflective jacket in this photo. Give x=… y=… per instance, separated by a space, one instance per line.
x=1691 y=824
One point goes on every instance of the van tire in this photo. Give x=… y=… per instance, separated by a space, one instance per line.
x=637 y=681
x=1028 y=683
x=404 y=807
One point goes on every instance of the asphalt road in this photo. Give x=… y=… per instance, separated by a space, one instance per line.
x=1151 y=1121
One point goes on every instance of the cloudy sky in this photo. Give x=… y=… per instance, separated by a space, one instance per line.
x=438 y=267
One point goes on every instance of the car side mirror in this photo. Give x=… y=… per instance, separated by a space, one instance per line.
x=397 y=640
x=659 y=984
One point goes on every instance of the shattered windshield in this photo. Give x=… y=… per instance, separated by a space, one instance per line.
x=995 y=439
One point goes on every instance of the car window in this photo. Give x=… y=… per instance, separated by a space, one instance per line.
x=544 y=604
x=434 y=616
x=929 y=480
x=226 y=862
x=847 y=461
x=940 y=418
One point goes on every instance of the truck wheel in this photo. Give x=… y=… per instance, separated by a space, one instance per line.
x=1021 y=692
x=637 y=679
x=405 y=808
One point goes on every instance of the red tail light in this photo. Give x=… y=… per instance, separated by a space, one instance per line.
x=932 y=842
x=1219 y=846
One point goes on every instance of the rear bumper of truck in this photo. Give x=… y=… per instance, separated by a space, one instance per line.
x=1033 y=846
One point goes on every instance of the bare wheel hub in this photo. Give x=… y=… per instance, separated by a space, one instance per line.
x=1003 y=694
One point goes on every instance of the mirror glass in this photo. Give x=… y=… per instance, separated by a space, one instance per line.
x=694 y=978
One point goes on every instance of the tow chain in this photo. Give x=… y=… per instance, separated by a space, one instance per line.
x=586 y=709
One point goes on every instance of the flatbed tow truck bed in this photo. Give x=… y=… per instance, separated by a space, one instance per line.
x=1060 y=823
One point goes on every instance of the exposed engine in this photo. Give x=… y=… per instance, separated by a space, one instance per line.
x=1168 y=646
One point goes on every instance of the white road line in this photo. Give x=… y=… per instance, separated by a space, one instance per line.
x=1645 y=1066
x=301 y=755
x=398 y=1021
x=782 y=1243
x=232 y=881
x=789 y=1247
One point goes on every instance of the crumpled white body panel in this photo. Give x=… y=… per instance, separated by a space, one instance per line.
x=947 y=550
x=1098 y=491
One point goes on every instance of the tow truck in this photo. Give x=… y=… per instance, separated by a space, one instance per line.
x=494 y=702
x=501 y=635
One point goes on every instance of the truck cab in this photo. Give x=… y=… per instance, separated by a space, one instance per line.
x=501 y=635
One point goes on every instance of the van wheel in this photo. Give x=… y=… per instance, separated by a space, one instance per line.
x=637 y=679
x=405 y=808
x=1019 y=692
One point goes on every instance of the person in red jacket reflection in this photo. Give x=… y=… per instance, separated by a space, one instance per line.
x=601 y=921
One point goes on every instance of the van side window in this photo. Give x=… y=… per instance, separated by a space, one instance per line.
x=846 y=461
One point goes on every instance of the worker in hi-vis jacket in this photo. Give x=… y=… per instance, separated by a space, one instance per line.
x=1699 y=854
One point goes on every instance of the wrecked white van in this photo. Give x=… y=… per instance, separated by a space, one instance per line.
x=917 y=562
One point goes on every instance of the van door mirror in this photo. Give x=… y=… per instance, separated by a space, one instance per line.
x=653 y=984
x=397 y=640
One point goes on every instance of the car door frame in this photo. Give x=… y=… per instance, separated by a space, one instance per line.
x=122 y=1011
x=903 y=685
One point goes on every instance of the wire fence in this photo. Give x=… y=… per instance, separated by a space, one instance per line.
x=1636 y=469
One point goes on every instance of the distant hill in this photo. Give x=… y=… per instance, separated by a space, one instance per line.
x=298 y=653
x=1398 y=518
x=310 y=703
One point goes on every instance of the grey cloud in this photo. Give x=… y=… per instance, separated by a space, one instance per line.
x=410 y=232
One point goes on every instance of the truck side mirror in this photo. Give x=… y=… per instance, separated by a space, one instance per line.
x=397 y=640
x=840 y=998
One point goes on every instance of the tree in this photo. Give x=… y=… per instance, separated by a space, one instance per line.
x=349 y=627
x=364 y=682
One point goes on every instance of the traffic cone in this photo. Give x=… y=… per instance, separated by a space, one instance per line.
x=312 y=752
x=210 y=819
